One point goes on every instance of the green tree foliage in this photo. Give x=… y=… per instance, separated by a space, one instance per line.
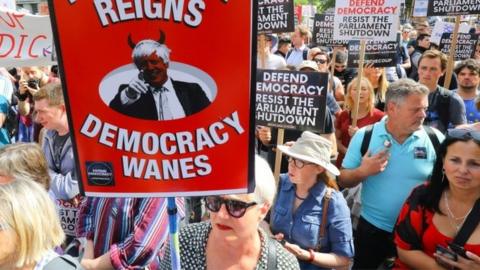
x=321 y=5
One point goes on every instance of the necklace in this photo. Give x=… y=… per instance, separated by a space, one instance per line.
x=454 y=220
x=300 y=198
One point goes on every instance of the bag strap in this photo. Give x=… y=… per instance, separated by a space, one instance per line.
x=305 y=54
x=433 y=137
x=288 y=54
x=64 y=262
x=272 y=254
x=469 y=225
x=323 y=224
x=366 y=139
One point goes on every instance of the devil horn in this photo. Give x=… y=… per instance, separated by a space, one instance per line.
x=161 y=40
x=130 y=42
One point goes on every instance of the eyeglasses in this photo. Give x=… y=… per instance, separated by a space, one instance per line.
x=298 y=163
x=320 y=61
x=464 y=134
x=339 y=66
x=235 y=208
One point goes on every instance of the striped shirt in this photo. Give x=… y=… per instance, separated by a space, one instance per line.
x=132 y=229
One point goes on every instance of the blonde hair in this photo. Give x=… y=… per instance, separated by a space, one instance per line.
x=26 y=160
x=382 y=86
x=349 y=99
x=52 y=92
x=265 y=186
x=28 y=211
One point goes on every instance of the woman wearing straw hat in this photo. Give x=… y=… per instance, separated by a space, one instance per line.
x=310 y=215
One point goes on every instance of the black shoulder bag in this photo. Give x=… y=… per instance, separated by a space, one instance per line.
x=467 y=229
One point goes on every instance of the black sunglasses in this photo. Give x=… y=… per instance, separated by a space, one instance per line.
x=464 y=134
x=320 y=61
x=235 y=208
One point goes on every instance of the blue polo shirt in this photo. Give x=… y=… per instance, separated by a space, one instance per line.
x=302 y=226
x=409 y=165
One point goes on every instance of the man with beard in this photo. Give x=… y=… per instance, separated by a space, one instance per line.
x=468 y=73
x=152 y=94
x=32 y=79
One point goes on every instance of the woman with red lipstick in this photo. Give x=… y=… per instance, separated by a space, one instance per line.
x=439 y=211
x=316 y=230
x=232 y=238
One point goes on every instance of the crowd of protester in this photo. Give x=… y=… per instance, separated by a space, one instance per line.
x=404 y=193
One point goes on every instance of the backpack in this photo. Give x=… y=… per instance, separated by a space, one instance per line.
x=11 y=121
x=368 y=136
x=442 y=105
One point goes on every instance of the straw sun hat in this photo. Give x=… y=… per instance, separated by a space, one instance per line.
x=312 y=148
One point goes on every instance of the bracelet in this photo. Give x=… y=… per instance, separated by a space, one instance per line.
x=312 y=255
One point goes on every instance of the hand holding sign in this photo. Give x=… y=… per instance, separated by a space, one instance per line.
x=264 y=134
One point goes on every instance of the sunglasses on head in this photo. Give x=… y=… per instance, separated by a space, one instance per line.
x=235 y=208
x=464 y=134
x=320 y=61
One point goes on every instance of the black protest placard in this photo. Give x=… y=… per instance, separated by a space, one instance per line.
x=378 y=53
x=323 y=31
x=275 y=16
x=465 y=48
x=291 y=99
x=453 y=7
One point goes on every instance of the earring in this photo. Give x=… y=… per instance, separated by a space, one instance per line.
x=443 y=176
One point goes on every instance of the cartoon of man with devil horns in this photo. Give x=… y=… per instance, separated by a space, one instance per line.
x=152 y=94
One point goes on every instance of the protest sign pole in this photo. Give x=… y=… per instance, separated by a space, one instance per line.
x=359 y=83
x=332 y=67
x=451 y=57
x=332 y=62
x=412 y=9
x=278 y=154
x=262 y=43
x=173 y=230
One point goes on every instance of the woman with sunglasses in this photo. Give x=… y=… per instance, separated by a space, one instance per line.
x=297 y=217
x=334 y=84
x=232 y=238
x=435 y=212
x=378 y=79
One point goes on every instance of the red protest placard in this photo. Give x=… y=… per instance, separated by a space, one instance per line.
x=158 y=94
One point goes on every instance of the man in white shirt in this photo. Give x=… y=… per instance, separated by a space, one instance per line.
x=299 y=51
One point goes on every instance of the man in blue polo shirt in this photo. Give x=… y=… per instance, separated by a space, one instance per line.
x=400 y=156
